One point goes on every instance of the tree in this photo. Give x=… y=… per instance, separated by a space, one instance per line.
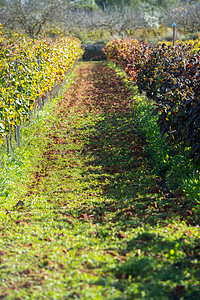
x=113 y=19
x=186 y=17
x=118 y=20
x=29 y=15
x=136 y=4
x=107 y=3
x=33 y=15
x=3 y=4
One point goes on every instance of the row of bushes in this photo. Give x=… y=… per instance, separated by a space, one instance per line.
x=170 y=75
x=28 y=69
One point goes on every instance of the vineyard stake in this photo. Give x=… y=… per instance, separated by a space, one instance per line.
x=39 y=99
x=18 y=135
x=18 y=126
x=7 y=143
x=174 y=33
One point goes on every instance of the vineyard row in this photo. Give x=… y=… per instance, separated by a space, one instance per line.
x=29 y=69
x=170 y=76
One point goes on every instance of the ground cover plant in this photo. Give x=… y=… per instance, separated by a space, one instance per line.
x=87 y=218
x=178 y=172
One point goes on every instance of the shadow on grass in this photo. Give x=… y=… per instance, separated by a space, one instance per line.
x=156 y=270
x=167 y=274
x=158 y=267
x=119 y=165
x=118 y=161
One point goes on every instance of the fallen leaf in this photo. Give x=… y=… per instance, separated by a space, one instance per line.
x=47 y=262
x=128 y=215
x=27 y=285
x=189 y=212
x=61 y=266
x=83 y=216
x=27 y=245
x=37 y=255
x=111 y=253
x=155 y=205
x=26 y=272
x=49 y=239
x=121 y=235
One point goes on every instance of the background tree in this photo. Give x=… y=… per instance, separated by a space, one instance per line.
x=29 y=15
x=106 y=3
x=3 y=5
x=113 y=19
x=118 y=20
x=186 y=17
x=162 y=4
x=33 y=15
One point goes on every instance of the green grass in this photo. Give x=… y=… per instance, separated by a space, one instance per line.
x=92 y=222
x=172 y=164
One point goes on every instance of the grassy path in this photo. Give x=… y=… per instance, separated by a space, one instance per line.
x=89 y=221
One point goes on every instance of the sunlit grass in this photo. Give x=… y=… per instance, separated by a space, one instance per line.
x=93 y=223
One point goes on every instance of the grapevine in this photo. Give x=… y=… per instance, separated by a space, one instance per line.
x=29 y=69
x=170 y=75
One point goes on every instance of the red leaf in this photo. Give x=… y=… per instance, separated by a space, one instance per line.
x=121 y=235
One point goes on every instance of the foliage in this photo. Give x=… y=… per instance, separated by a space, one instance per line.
x=177 y=170
x=170 y=76
x=127 y=53
x=86 y=220
x=28 y=69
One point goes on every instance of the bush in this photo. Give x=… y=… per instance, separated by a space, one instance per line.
x=170 y=76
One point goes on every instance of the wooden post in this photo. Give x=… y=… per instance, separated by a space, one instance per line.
x=7 y=143
x=174 y=33
x=40 y=98
x=17 y=128
x=18 y=135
